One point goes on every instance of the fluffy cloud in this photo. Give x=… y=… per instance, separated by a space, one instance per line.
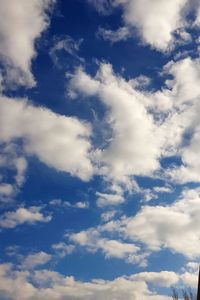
x=109 y=199
x=21 y=23
x=144 y=17
x=147 y=126
x=44 y=284
x=23 y=215
x=181 y=128
x=147 y=16
x=135 y=145
x=13 y=160
x=163 y=278
x=172 y=226
x=63 y=249
x=60 y=142
x=34 y=260
x=93 y=240
x=113 y=36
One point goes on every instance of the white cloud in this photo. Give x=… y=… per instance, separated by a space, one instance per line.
x=144 y=17
x=134 y=148
x=34 y=260
x=6 y=189
x=147 y=126
x=174 y=226
x=163 y=189
x=108 y=215
x=147 y=16
x=21 y=166
x=12 y=159
x=21 y=23
x=67 y=204
x=114 y=36
x=109 y=199
x=81 y=204
x=60 y=142
x=68 y=45
x=153 y=193
x=22 y=215
x=103 y=7
x=93 y=240
x=45 y=284
x=182 y=128
x=163 y=278
x=63 y=249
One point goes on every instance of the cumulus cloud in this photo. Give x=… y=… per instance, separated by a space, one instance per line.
x=162 y=279
x=60 y=142
x=22 y=215
x=21 y=23
x=147 y=16
x=159 y=227
x=147 y=126
x=94 y=240
x=182 y=127
x=144 y=17
x=45 y=284
x=134 y=148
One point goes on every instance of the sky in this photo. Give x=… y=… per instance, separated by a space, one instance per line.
x=99 y=149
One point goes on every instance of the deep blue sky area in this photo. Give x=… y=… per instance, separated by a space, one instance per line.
x=99 y=149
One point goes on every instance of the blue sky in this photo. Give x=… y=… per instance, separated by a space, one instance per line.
x=99 y=148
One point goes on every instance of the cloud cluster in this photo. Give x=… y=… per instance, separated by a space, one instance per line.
x=28 y=280
x=174 y=227
x=134 y=148
x=160 y=24
x=44 y=284
x=147 y=126
x=94 y=239
x=21 y=23
x=159 y=227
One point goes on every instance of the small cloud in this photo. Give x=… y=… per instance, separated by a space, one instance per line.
x=67 y=45
x=121 y=34
x=59 y=202
x=108 y=215
x=22 y=215
x=109 y=199
x=63 y=249
x=34 y=260
x=6 y=189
